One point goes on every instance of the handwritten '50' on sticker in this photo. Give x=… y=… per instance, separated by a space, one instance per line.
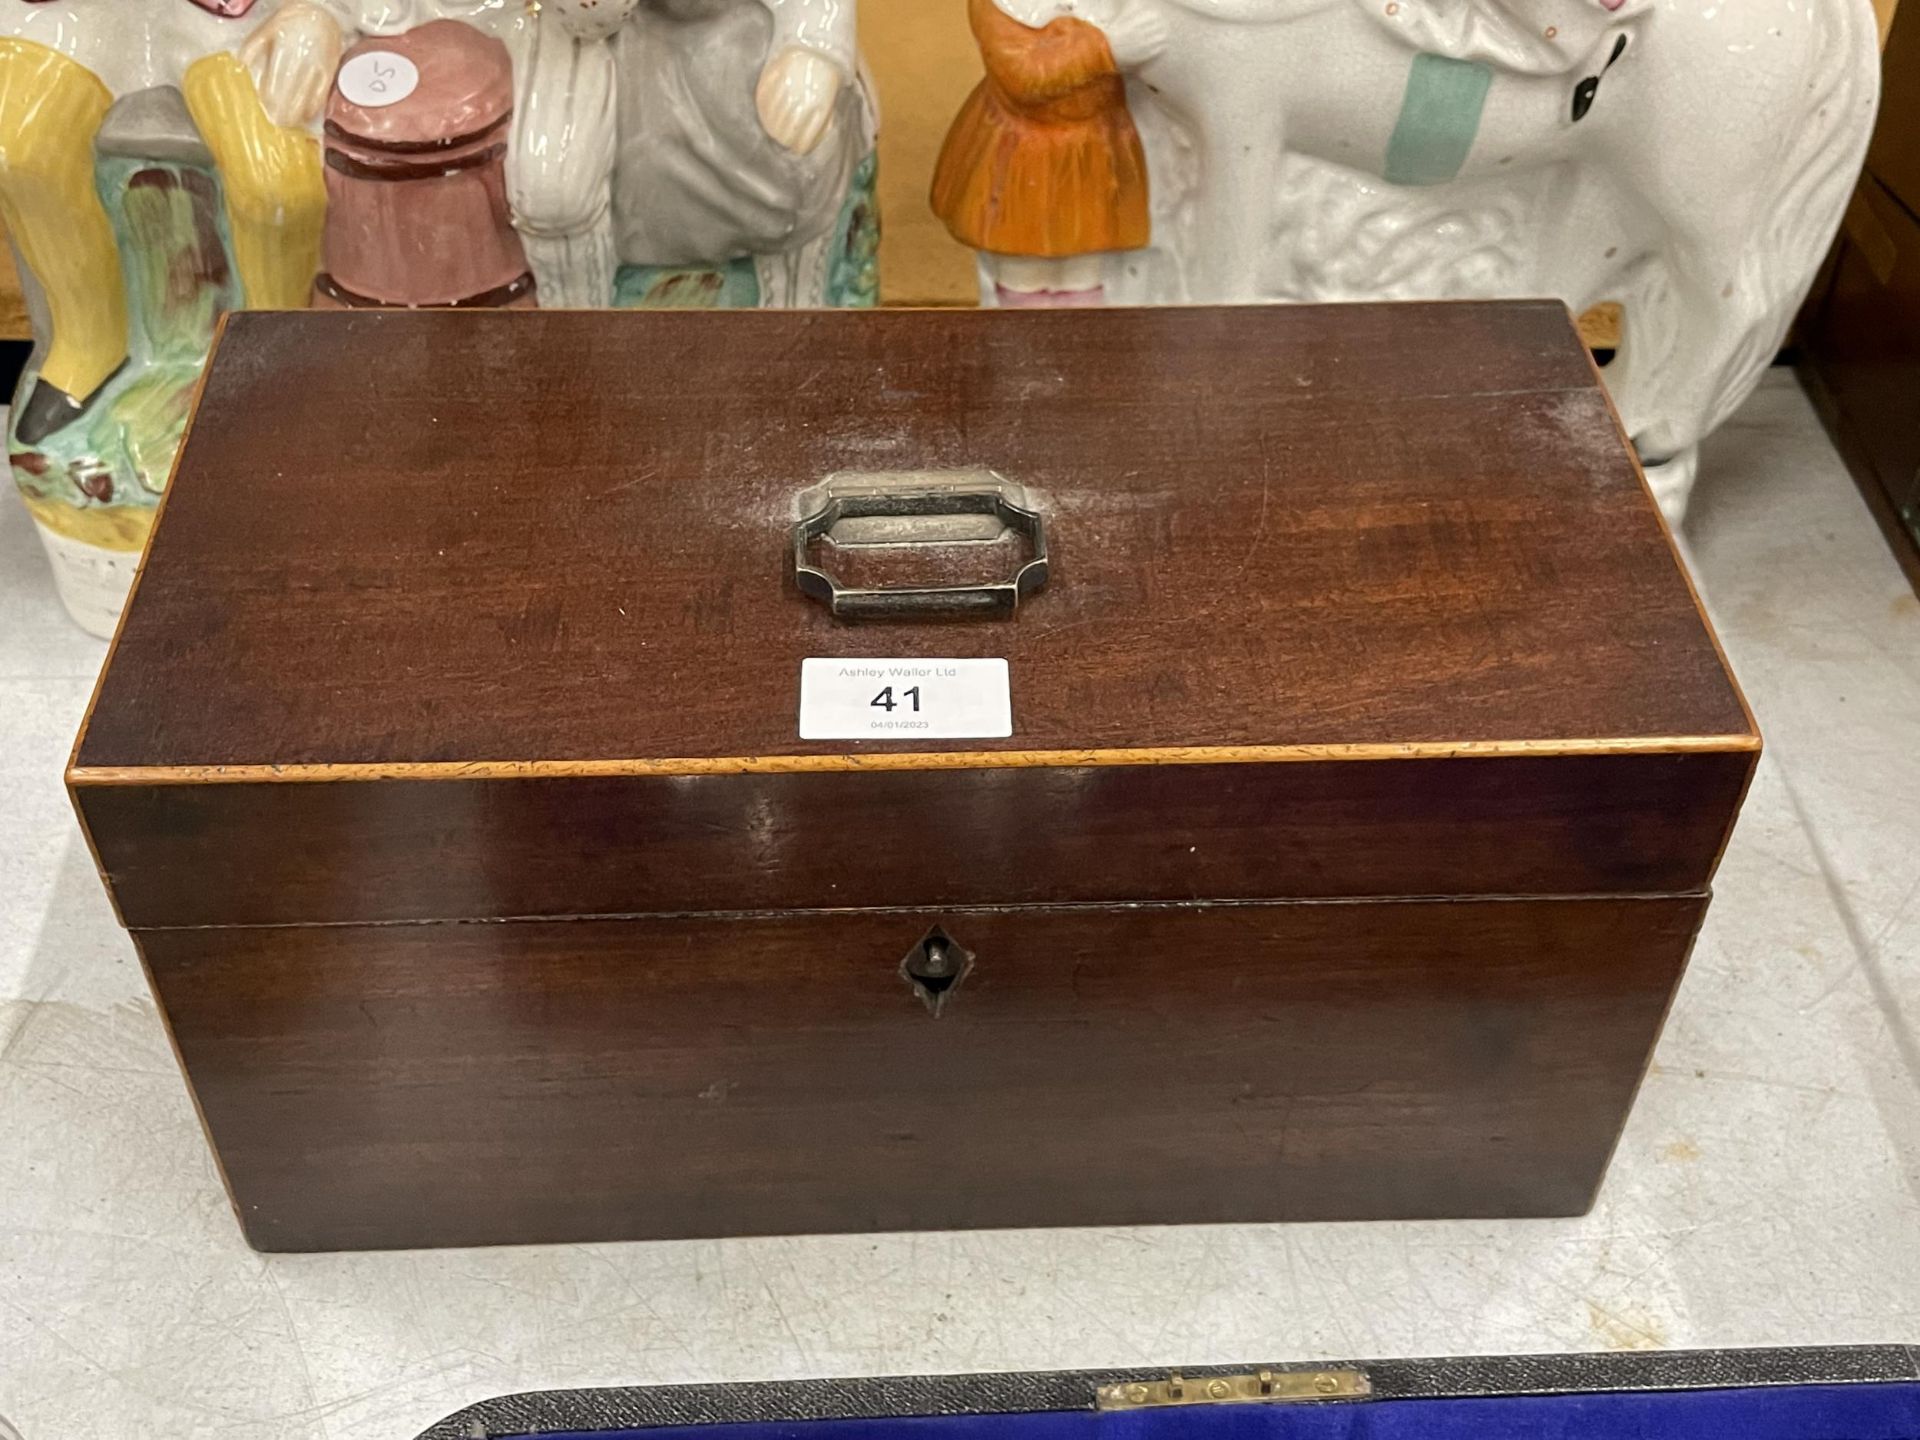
x=375 y=79
x=905 y=699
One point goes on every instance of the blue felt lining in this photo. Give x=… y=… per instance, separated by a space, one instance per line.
x=1808 y=1412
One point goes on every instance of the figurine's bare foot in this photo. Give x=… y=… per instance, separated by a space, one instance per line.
x=294 y=57
x=796 y=97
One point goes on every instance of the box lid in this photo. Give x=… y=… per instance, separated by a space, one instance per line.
x=465 y=614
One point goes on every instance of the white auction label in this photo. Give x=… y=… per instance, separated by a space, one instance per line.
x=905 y=700
x=378 y=78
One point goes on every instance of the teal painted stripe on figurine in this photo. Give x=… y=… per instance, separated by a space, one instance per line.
x=1439 y=119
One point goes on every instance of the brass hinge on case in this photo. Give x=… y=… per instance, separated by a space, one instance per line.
x=1261 y=1387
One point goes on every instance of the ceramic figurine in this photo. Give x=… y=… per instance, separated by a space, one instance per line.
x=1689 y=159
x=698 y=152
x=427 y=125
x=145 y=190
x=678 y=152
x=1043 y=171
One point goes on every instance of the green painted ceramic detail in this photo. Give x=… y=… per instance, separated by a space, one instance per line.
x=733 y=286
x=176 y=260
x=1439 y=120
x=853 y=273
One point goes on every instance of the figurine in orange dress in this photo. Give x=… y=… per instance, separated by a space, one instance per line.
x=1043 y=171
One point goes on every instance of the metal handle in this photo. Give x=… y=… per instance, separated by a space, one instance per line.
x=926 y=502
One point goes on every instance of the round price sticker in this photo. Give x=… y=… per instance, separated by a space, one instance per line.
x=378 y=78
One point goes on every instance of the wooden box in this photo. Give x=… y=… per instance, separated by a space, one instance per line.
x=1861 y=334
x=1370 y=760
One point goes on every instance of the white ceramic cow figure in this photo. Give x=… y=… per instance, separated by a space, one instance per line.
x=1690 y=159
